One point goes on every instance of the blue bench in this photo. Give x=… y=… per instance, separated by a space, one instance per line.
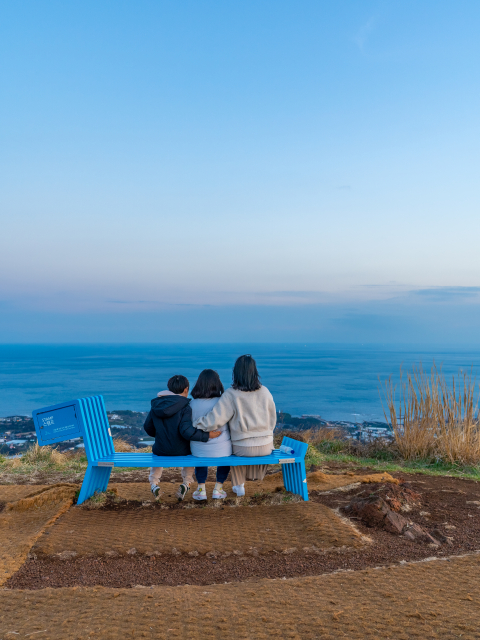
x=87 y=418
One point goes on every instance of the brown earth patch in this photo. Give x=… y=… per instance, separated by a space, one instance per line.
x=12 y=492
x=140 y=491
x=272 y=482
x=328 y=482
x=436 y=599
x=21 y=524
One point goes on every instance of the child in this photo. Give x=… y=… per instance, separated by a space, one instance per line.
x=170 y=423
x=206 y=393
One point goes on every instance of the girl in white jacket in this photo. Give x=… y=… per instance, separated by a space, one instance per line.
x=206 y=393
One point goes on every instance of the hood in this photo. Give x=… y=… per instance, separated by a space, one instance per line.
x=168 y=406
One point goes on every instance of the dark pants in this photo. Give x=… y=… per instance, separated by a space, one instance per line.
x=202 y=472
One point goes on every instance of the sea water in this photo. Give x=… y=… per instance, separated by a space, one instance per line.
x=334 y=382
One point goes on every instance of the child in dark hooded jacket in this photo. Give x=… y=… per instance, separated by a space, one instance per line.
x=170 y=423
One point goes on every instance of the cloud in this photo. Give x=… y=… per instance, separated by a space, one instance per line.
x=446 y=294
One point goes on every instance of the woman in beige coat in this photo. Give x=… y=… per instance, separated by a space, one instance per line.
x=249 y=409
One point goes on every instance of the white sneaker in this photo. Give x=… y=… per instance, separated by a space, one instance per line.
x=218 y=494
x=239 y=490
x=199 y=494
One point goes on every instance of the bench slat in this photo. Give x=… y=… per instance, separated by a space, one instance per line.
x=149 y=460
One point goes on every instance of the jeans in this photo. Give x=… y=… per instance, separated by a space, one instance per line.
x=202 y=472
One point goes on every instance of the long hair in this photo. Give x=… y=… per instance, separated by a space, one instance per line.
x=245 y=375
x=208 y=385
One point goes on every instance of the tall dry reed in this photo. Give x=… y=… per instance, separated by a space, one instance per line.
x=434 y=420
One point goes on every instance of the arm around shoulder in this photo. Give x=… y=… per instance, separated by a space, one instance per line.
x=187 y=430
x=221 y=413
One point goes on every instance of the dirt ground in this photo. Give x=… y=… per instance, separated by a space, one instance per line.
x=437 y=599
x=262 y=566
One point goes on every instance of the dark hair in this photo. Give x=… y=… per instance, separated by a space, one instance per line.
x=178 y=384
x=245 y=374
x=208 y=385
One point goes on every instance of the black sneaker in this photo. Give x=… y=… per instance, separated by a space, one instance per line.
x=156 y=492
x=182 y=491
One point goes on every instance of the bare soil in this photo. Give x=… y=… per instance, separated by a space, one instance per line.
x=437 y=599
x=450 y=505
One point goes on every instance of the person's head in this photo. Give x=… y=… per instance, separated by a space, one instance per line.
x=208 y=385
x=179 y=385
x=245 y=374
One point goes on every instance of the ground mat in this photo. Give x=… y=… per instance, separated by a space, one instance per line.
x=437 y=599
x=242 y=529
x=24 y=520
x=11 y=492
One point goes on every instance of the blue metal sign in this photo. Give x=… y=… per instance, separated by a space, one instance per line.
x=57 y=423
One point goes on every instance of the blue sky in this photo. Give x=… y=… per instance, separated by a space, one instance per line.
x=198 y=170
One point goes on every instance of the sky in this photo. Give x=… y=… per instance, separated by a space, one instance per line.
x=221 y=171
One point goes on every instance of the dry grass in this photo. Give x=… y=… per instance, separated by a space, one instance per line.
x=38 y=457
x=37 y=454
x=432 y=420
x=122 y=446
x=321 y=435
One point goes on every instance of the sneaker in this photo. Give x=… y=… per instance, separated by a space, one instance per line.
x=182 y=491
x=239 y=490
x=218 y=494
x=156 y=491
x=199 y=494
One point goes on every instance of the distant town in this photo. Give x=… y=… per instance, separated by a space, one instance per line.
x=17 y=433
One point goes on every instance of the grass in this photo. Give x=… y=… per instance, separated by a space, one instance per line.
x=406 y=466
x=324 y=446
x=379 y=454
x=45 y=460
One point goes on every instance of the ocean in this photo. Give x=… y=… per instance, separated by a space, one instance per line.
x=334 y=382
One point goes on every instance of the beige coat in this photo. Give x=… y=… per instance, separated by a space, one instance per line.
x=251 y=416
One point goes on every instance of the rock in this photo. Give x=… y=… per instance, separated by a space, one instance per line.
x=415 y=533
x=132 y=551
x=66 y=555
x=371 y=511
x=395 y=523
x=438 y=535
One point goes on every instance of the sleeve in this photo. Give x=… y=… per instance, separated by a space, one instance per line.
x=221 y=413
x=272 y=410
x=188 y=431
x=149 y=426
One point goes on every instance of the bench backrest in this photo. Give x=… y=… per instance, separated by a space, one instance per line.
x=84 y=418
x=300 y=448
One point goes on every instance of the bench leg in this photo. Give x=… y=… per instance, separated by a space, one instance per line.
x=295 y=478
x=96 y=479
